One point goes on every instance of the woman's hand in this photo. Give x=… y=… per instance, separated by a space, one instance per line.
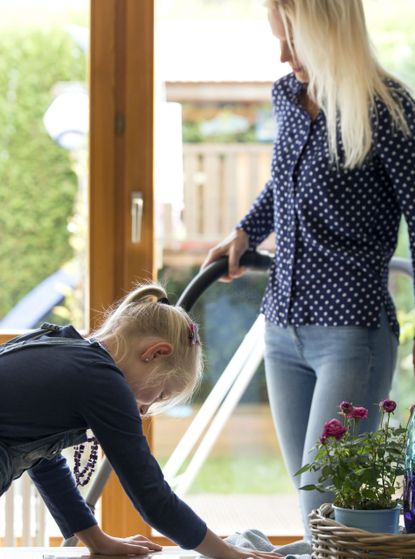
x=234 y=245
x=100 y=543
x=215 y=547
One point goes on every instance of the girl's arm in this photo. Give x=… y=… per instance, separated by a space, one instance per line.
x=55 y=483
x=111 y=412
x=212 y=546
x=215 y=547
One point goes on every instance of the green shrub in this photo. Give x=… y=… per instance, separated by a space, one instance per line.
x=37 y=184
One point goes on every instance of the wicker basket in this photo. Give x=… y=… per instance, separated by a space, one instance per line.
x=332 y=540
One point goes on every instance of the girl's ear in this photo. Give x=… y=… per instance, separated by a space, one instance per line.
x=155 y=350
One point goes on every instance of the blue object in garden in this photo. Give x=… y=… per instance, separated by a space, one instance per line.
x=409 y=479
x=39 y=302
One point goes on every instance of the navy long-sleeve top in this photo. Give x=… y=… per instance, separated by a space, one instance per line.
x=336 y=228
x=47 y=391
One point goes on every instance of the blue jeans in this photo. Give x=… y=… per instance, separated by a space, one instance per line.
x=309 y=371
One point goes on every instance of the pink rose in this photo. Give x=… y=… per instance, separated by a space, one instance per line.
x=345 y=408
x=359 y=413
x=387 y=406
x=333 y=428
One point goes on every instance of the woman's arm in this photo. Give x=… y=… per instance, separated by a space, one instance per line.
x=396 y=150
x=259 y=221
x=234 y=246
x=250 y=232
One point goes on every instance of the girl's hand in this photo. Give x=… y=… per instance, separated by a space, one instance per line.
x=234 y=245
x=215 y=547
x=243 y=553
x=100 y=543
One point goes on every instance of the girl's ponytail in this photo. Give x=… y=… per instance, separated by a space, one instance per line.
x=143 y=293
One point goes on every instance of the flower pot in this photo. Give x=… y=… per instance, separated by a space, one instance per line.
x=382 y=520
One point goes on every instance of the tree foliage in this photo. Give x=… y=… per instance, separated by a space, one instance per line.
x=37 y=184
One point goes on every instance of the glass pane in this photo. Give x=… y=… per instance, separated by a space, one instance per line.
x=243 y=481
x=43 y=162
x=214 y=132
x=215 y=64
x=43 y=183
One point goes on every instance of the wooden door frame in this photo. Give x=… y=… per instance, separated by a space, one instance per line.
x=121 y=146
x=121 y=161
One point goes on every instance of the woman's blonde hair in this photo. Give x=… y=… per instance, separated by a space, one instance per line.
x=145 y=312
x=331 y=42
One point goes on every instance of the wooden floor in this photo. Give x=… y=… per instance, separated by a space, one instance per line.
x=272 y=514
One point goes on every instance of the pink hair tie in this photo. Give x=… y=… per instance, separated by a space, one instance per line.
x=194 y=333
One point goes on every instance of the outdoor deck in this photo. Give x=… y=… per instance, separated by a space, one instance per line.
x=249 y=430
x=276 y=515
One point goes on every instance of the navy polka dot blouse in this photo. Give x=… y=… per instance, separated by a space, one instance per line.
x=336 y=228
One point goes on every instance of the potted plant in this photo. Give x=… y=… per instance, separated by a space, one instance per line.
x=361 y=470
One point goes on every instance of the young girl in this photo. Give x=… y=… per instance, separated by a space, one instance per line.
x=55 y=386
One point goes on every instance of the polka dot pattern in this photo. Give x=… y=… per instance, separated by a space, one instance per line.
x=336 y=228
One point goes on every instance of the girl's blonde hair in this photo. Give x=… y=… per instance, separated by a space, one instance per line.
x=146 y=312
x=331 y=42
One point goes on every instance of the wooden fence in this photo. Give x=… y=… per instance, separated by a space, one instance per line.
x=220 y=183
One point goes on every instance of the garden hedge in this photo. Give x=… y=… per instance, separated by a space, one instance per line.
x=37 y=183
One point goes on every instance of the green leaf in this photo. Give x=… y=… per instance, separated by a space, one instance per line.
x=305 y=468
x=312 y=488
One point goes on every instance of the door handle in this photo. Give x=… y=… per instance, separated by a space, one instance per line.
x=137 y=204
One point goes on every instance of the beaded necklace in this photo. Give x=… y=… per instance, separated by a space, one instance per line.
x=82 y=476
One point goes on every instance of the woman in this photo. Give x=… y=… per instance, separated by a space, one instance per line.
x=343 y=172
x=55 y=384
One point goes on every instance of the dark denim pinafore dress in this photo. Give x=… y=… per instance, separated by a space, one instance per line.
x=17 y=458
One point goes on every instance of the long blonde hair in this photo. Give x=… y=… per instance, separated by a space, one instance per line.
x=331 y=42
x=144 y=312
